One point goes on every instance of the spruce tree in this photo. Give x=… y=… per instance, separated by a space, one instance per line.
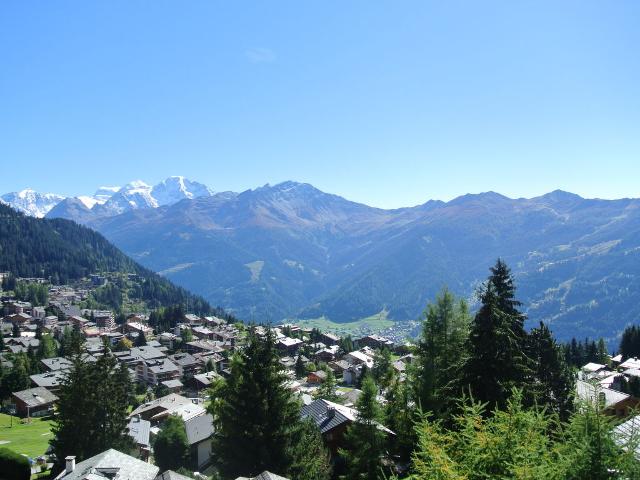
x=92 y=409
x=300 y=368
x=365 y=440
x=311 y=458
x=497 y=361
x=554 y=381
x=256 y=418
x=327 y=389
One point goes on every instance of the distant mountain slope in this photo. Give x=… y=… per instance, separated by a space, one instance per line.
x=62 y=250
x=291 y=250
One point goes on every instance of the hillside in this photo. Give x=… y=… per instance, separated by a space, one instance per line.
x=62 y=251
x=290 y=250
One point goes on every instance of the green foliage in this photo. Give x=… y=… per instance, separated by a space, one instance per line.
x=256 y=418
x=171 y=447
x=400 y=416
x=383 y=372
x=496 y=352
x=554 y=382
x=47 y=347
x=13 y=465
x=300 y=368
x=17 y=378
x=92 y=410
x=630 y=342
x=311 y=457
x=444 y=333
x=62 y=251
x=36 y=293
x=365 y=440
x=327 y=389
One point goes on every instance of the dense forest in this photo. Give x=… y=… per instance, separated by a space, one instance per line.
x=63 y=251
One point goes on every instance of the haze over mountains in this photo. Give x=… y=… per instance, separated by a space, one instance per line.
x=293 y=251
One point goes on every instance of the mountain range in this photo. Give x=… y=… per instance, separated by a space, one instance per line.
x=106 y=201
x=293 y=251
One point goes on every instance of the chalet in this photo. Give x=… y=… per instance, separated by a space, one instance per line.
x=56 y=363
x=49 y=380
x=172 y=404
x=139 y=431
x=203 y=333
x=332 y=419
x=329 y=339
x=319 y=376
x=187 y=364
x=34 y=402
x=625 y=435
x=173 y=386
x=108 y=465
x=156 y=371
x=359 y=358
x=198 y=346
x=191 y=319
x=613 y=403
x=266 y=475
x=199 y=431
x=375 y=341
x=289 y=346
x=204 y=380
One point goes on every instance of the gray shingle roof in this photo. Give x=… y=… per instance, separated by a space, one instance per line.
x=100 y=466
x=139 y=430
x=199 y=428
x=319 y=412
x=35 y=397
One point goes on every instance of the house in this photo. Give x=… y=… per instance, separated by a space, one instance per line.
x=339 y=367
x=630 y=363
x=160 y=408
x=203 y=333
x=187 y=364
x=613 y=403
x=139 y=430
x=171 y=475
x=108 y=465
x=332 y=419
x=359 y=358
x=319 y=376
x=325 y=355
x=199 y=431
x=56 y=363
x=191 y=319
x=289 y=346
x=174 y=386
x=157 y=371
x=204 y=380
x=375 y=342
x=49 y=380
x=329 y=339
x=34 y=402
x=627 y=435
x=199 y=346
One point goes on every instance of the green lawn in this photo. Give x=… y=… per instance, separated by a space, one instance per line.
x=364 y=326
x=31 y=439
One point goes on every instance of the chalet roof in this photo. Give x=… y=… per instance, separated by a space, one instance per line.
x=199 y=428
x=36 y=397
x=587 y=392
x=593 y=367
x=627 y=435
x=48 y=379
x=139 y=430
x=112 y=464
x=266 y=475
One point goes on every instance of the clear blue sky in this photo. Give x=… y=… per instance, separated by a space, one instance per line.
x=387 y=103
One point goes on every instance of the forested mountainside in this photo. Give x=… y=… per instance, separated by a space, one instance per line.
x=291 y=250
x=62 y=251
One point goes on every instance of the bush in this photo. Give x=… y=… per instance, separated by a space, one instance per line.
x=13 y=465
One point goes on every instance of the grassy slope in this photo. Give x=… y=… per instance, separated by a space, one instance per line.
x=364 y=326
x=31 y=439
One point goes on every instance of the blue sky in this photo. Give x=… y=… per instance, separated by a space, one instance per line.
x=387 y=103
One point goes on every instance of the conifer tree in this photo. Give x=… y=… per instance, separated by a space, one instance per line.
x=92 y=408
x=497 y=360
x=364 y=439
x=444 y=333
x=327 y=389
x=256 y=418
x=300 y=368
x=382 y=370
x=554 y=381
x=311 y=457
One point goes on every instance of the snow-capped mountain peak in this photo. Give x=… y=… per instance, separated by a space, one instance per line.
x=176 y=188
x=31 y=202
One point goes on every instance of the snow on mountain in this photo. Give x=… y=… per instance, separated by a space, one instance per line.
x=132 y=196
x=31 y=202
x=104 y=193
x=177 y=188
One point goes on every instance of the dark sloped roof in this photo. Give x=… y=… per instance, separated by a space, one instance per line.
x=319 y=412
x=35 y=397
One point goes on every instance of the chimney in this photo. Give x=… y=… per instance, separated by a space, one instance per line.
x=331 y=411
x=70 y=464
